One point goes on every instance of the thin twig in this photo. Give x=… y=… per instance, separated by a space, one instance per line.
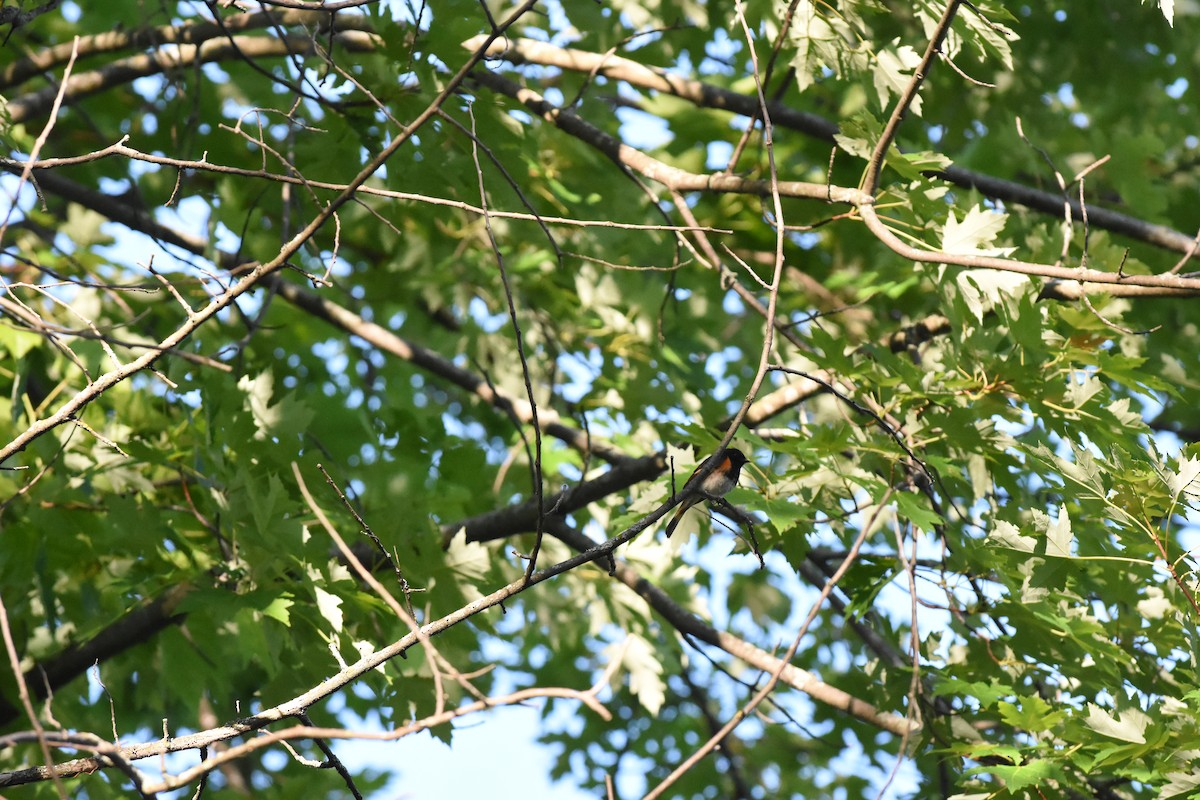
x=538 y=489
x=870 y=180
x=370 y=534
x=768 y=687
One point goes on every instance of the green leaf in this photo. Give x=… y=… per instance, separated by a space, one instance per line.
x=1034 y=773
x=1059 y=536
x=644 y=670
x=913 y=508
x=17 y=342
x=893 y=72
x=279 y=609
x=1032 y=714
x=979 y=227
x=1128 y=726
x=986 y=692
x=330 y=607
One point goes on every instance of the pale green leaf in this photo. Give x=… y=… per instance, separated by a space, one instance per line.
x=1180 y=785
x=1155 y=605
x=18 y=342
x=645 y=671
x=1020 y=776
x=258 y=399
x=1184 y=477
x=468 y=559
x=1167 y=7
x=1059 y=536
x=981 y=477
x=84 y=226
x=1081 y=388
x=1120 y=410
x=1083 y=470
x=824 y=42
x=288 y=415
x=981 y=289
x=893 y=72
x=279 y=609
x=978 y=228
x=1128 y=726
x=1008 y=535
x=330 y=607
x=990 y=36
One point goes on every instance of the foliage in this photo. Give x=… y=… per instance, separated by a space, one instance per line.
x=487 y=279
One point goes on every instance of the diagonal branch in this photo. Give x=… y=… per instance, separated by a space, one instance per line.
x=691 y=625
x=870 y=180
x=94 y=389
x=145 y=621
x=673 y=178
x=678 y=617
x=779 y=672
x=522 y=518
x=45 y=167
x=136 y=627
x=333 y=313
x=383 y=339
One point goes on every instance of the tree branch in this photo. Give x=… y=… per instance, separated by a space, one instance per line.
x=136 y=627
x=673 y=178
x=95 y=388
x=127 y=70
x=331 y=312
x=689 y=624
x=388 y=342
x=195 y=33
x=681 y=180
x=521 y=51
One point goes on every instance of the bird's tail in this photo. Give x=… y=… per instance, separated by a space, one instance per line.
x=675 y=519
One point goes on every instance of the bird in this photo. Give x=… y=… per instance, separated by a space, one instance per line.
x=715 y=484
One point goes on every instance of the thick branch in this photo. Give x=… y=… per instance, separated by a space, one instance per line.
x=521 y=51
x=131 y=216
x=293 y=707
x=142 y=623
x=682 y=180
x=44 y=166
x=689 y=624
x=136 y=627
x=635 y=73
x=427 y=359
x=193 y=34
x=907 y=98
x=334 y=314
x=300 y=704
x=679 y=180
x=126 y=70
x=522 y=518
x=1086 y=280
x=72 y=407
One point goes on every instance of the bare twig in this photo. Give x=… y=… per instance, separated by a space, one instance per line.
x=39 y=733
x=364 y=574
x=122 y=150
x=125 y=70
x=536 y=459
